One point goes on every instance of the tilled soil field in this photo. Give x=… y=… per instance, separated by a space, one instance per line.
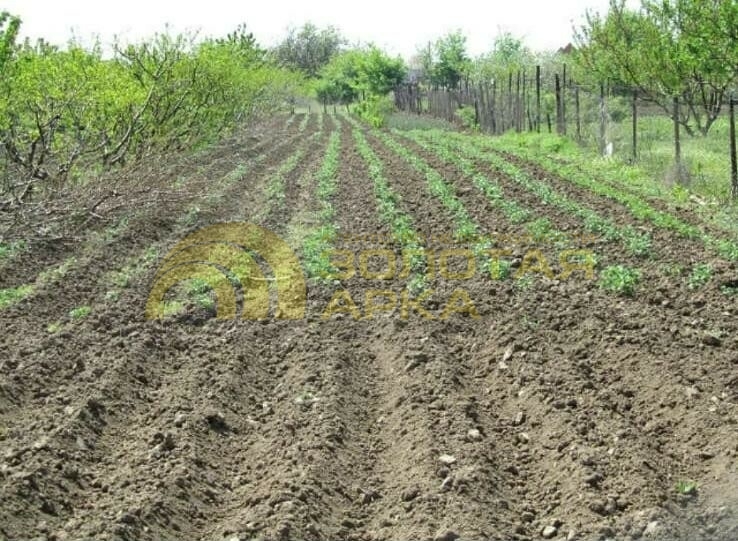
x=505 y=409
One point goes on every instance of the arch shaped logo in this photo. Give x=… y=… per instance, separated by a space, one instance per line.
x=221 y=255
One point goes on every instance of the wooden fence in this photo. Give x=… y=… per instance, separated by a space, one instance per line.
x=536 y=102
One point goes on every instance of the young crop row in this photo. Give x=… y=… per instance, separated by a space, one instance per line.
x=11 y=296
x=303 y=123
x=388 y=204
x=318 y=243
x=637 y=207
x=540 y=229
x=616 y=279
x=638 y=244
x=465 y=228
x=275 y=189
x=513 y=211
x=275 y=194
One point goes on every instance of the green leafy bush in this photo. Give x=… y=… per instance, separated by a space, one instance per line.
x=468 y=117
x=375 y=110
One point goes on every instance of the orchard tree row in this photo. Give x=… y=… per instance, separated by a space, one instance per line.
x=65 y=110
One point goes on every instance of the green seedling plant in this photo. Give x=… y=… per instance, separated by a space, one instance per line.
x=238 y=174
x=80 y=312
x=729 y=290
x=686 y=488
x=200 y=293
x=525 y=282
x=12 y=249
x=500 y=269
x=55 y=327
x=13 y=295
x=620 y=279
x=700 y=276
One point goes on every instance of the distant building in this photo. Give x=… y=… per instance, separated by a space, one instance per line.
x=568 y=49
x=414 y=75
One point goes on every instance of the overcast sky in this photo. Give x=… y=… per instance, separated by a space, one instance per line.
x=399 y=26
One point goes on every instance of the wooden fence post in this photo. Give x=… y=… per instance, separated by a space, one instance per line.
x=677 y=139
x=577 y=112
x=511 y=112
x=494 y=107
x=518 y=117
x=538 y=99
x=563 y=102
x=559 y=121
x=603 y=121
x=635 y=126
x=733 y=157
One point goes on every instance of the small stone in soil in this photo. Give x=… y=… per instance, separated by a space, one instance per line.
x=548 y=532
x=447 y=459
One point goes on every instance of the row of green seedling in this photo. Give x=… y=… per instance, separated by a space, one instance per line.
x=388 y=206
x=539 y=229
x=617 y=279
x=275 y=189
x=303 y=123
x=637 y=207
x=10 y=250
x=465 y=228
x=513 y=211
x=636 y=243
x=13 y=295
x=318 y=243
